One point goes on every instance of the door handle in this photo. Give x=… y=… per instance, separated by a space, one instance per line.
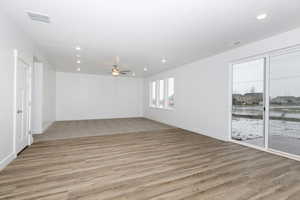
x=19 y=111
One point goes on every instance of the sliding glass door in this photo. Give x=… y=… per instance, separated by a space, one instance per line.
x=247 y=123
x=284 y=123
x=266 y=102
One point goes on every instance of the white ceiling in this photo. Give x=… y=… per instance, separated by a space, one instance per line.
x=142 y=32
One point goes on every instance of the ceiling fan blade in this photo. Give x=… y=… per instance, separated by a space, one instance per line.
x=125 y=71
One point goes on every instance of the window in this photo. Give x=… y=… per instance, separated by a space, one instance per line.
x=161 y=99
x=248 y=93
x=170 y=93
x=162 y=93
x=153 y=94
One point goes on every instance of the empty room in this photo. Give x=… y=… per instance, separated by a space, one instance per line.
x=140 y=100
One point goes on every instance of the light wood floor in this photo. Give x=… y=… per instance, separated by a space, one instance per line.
x=168 y=164
x=84 y=128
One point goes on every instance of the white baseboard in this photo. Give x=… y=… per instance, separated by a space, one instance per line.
x=7 y=160
x=45 y=127
x=194 y=130
x=36 y=132
x=99 y=118
x=42 y=130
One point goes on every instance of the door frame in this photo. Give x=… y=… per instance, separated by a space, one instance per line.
x=18 y=55
x=267 y=57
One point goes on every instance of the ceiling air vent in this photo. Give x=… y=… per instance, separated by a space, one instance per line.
x=38 y=17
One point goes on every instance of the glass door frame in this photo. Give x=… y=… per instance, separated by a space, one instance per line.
x=266 y=100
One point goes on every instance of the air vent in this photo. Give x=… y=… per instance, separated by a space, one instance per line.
x=38 y=17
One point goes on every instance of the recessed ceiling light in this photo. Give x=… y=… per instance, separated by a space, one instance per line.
x=145 y=69
x=261 y=16
x=163 y=60
x=78 y=69
x=78 y=61
x=77 y=48
x=133 y=74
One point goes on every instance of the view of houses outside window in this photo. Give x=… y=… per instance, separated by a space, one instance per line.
x=247 y=102
x=284 y=128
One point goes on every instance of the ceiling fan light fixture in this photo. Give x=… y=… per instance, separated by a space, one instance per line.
x=115 y=72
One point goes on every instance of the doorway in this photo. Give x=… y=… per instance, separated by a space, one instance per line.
x=284 y=115
x=248 y=102
x=265 y=102
x=22 y=108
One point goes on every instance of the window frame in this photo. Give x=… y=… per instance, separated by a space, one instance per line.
x=152 y=102
x=165 y=105
x=266 y=56
x=161 y=83
x=167 y=101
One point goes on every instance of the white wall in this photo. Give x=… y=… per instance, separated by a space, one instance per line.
x=37 y=98
x=49 y=96
x=44 y=100
x=83 y=96
x=202 y=88
x=10 y=38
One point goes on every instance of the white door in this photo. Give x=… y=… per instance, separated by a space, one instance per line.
x=22 y=111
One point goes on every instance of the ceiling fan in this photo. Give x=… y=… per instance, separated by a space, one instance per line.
x=116 y=69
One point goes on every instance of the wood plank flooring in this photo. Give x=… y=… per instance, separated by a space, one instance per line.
x=98 y=127
x=167 y=164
